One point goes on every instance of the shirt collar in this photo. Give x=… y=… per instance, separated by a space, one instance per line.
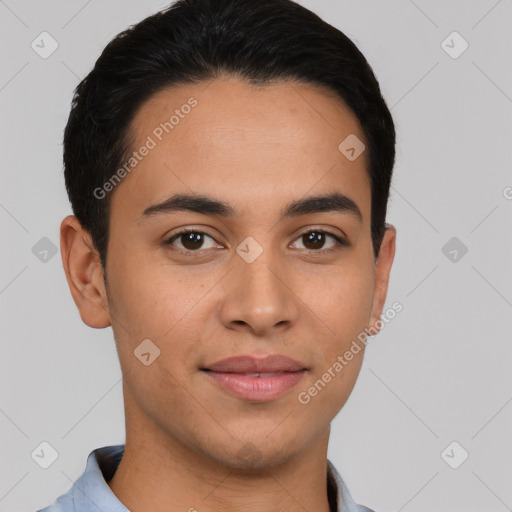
x=92 y=493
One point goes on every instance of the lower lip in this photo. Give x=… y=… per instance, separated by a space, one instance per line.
x=259 y=389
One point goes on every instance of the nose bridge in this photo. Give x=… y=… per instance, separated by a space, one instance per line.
x=258 y=296
x=261 y=277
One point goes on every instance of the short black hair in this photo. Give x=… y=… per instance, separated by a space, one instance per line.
x=192 y=41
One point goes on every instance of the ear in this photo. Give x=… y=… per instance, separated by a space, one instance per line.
x=84 y=274
x=382 y=272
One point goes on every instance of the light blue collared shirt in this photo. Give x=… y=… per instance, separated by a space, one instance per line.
x=91 y=493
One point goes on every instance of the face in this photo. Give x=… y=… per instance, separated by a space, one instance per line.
x=253 y=277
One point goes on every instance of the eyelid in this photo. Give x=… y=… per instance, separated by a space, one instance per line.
x=168 y=240
x=341 y=240
x=327 y=231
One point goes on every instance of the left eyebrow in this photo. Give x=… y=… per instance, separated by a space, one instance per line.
x=334 y=202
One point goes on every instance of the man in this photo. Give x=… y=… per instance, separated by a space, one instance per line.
x=228 y=163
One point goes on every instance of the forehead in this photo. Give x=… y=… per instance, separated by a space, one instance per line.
x=230 y=104
x=257 y=143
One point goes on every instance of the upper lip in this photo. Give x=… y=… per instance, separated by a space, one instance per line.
x=250 y=364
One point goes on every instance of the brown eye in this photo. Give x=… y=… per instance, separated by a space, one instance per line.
x=314 y=240
x=190 y=240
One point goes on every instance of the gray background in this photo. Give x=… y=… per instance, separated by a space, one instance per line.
x=438 y=373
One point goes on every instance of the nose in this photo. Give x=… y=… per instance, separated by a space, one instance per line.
x=259 y=297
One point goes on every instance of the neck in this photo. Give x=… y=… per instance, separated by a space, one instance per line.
x=162 y=475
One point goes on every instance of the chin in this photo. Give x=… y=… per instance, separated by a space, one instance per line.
x=254 y=454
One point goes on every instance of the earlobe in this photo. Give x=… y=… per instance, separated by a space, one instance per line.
x=383 y=270
x=84 y=273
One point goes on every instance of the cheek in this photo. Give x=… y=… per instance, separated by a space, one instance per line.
x=343 y=309
x=351 y=305
x=342 y=302
x=149 y=299
x=156 y=302
x=159 y=390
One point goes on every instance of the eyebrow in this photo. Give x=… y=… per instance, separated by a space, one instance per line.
x=333 y=202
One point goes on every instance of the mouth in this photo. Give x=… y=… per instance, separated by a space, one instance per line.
x=256 y=379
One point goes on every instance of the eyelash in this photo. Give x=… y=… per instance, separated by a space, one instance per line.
x=340 y=242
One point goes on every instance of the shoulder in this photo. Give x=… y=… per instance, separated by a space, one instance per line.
x=344 y=501
x=100 y=467
x=64 y=503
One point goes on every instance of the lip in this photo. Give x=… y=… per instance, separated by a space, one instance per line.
x=251 y=364
x=236 y=375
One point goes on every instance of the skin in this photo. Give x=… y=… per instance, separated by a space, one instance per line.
x=188 y=442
